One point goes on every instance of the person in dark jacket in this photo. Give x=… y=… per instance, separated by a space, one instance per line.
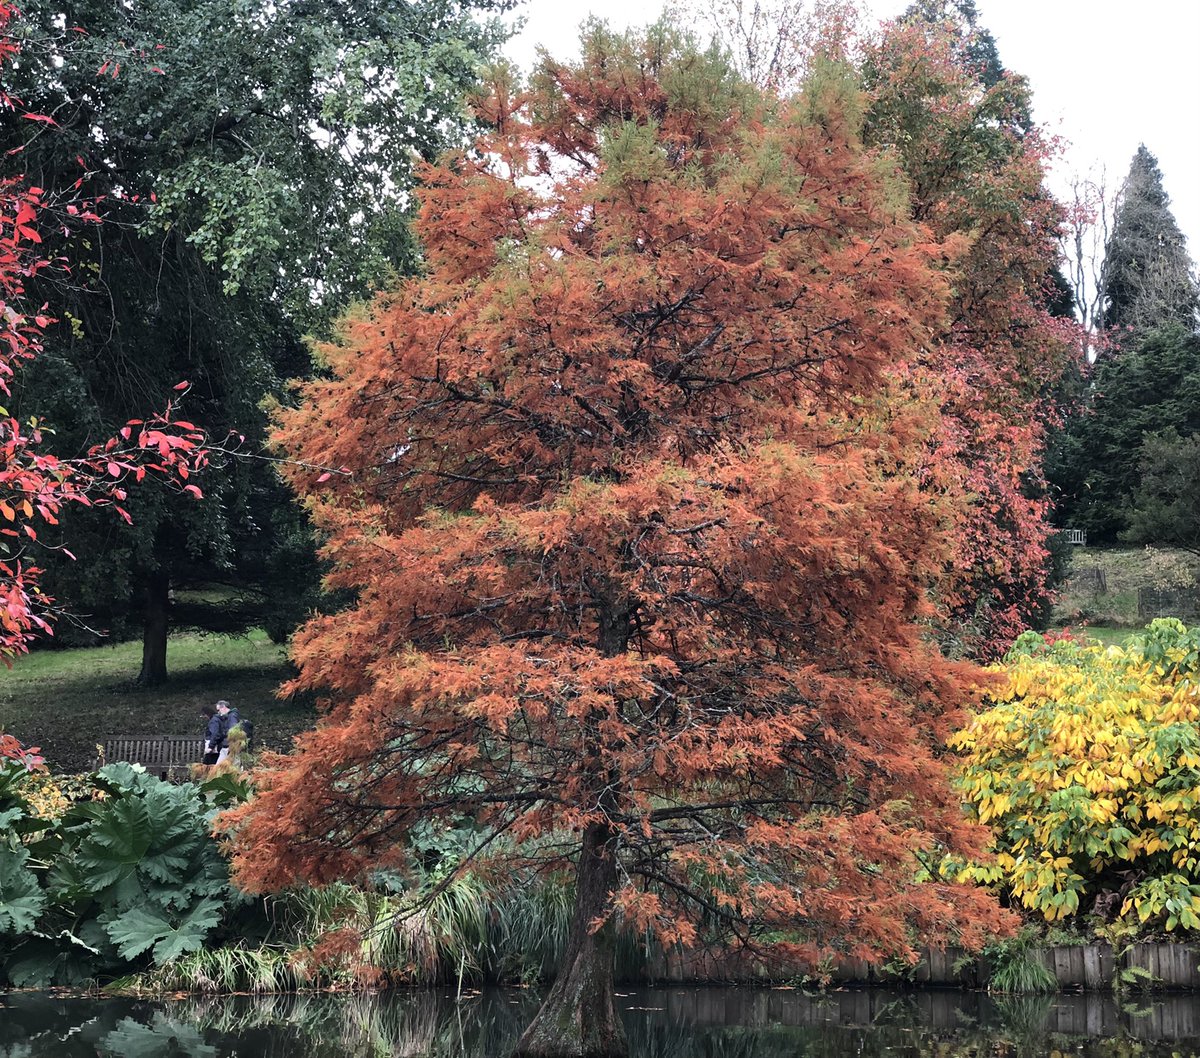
x=212 y=734
x=228 y=718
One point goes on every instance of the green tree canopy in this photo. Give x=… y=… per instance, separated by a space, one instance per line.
x=254 y=162
x=1165 y=509
x=1151 y=386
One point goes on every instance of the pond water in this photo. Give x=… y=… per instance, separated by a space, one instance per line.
x=662 y=1023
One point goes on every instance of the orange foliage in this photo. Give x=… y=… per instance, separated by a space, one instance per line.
x=634 y=554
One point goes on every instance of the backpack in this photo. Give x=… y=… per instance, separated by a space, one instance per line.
x=248 y=727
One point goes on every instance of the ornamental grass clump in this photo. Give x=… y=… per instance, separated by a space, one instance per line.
x=1087 y=770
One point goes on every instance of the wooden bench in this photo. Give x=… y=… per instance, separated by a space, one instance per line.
x=168 y=757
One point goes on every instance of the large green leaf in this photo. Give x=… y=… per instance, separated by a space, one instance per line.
x=140 y=928
x=33 y=965
x=69 y=884
x=116 y=842
x=174 y=818
x=21 y=898
x=123 y=777
x=190 y=933
x=42 y=960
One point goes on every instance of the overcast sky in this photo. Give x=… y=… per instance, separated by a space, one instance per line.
x=1106 y=76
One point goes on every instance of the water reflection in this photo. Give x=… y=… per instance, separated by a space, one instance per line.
x=662 y=1023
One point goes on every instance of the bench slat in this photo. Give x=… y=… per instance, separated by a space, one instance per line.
x=162 y=754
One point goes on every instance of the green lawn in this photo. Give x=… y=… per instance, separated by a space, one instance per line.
x=1103 y=634
x=68 y=700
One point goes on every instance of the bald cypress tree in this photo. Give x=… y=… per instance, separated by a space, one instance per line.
x=633 y=524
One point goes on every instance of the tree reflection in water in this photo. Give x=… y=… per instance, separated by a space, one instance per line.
x=662 y=1023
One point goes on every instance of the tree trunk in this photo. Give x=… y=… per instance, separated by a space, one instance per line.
x=578 y=1018
x=155 y=625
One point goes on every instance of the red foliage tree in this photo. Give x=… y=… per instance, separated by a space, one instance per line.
x=975 y=164
x=637 y=554
x=34 y=485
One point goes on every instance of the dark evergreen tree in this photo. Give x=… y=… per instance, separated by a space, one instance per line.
x=255 y=161
x=1149 y=380
x=1151 y=386
x=1147 y=276
x=1166 y=503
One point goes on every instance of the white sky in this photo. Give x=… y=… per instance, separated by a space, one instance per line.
x=1106 y=76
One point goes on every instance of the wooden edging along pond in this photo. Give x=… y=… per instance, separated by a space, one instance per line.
x=1086 y=967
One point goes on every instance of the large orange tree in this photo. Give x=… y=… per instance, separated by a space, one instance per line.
x=629 y=513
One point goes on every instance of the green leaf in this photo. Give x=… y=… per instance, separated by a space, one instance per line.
x=116 y=842
x=21 y=898
x=42 y=961
x=123 y=778
x=139 y=929
x=33 y=966
x=226 y=789
x=190 y=934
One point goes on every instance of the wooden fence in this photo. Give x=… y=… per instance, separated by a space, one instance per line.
x=1086 y=967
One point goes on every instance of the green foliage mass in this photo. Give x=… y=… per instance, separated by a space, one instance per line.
x=1165 y=508
x=128 y=878
x=1151 y=385
x=252 y=164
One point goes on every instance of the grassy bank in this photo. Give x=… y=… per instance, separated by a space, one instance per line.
x=1101 y=589
x=68 y=700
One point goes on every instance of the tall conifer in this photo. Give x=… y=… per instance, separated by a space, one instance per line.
x=1147 y=275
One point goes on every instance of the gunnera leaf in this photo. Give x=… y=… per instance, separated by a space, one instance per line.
x=141 y=928
x=137 y=930
x=115 y=842
x=21 y=898
x=44 y=960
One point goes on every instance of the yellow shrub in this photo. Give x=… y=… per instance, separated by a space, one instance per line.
x=1087 y=770
x=45 y=796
